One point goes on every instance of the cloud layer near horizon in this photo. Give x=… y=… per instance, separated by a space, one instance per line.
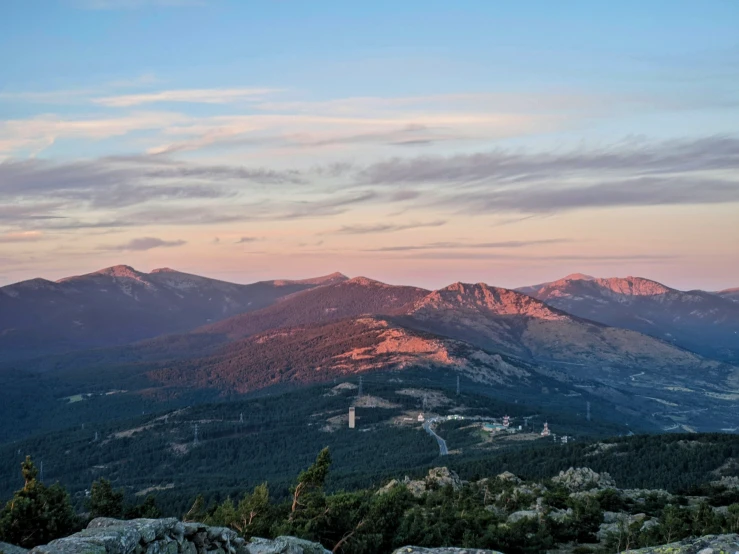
x=127 y=191
x=366 y=178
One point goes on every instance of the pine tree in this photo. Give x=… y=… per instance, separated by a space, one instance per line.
x=37 y=514
x=104 y=501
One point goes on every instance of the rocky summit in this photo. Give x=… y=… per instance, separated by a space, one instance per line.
x=710 y=544
x=167 y=536
x=419 y=550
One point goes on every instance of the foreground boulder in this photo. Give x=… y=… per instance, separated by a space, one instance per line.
x=6 y=548
x=168 y=536
x=710 y=544
x=442 y=550
x=284 y=545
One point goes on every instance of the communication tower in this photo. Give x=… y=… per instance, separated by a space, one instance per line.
x=546 y=432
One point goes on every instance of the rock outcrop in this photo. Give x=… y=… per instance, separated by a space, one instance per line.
x=6 y=548
x=169 y=536
x=443 y=550
x=710 y=544
x=438 y=478
x=583 y=479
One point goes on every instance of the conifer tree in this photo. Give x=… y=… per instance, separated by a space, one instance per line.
x=37 y=514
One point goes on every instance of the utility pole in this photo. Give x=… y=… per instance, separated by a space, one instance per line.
x=359 y=394
x=96 y=437
x=588 y=414
x=195 y=442
x=241 y=418
x=457 y=385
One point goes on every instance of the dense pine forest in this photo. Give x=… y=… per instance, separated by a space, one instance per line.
x=271 y=437
x=490 y=510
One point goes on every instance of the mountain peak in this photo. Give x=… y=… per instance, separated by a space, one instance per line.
x=330 y=279
x=578 y=284
x=579 y=277
x=481 y=297
x=366 y=282
x=633 y=286
x=116 y=271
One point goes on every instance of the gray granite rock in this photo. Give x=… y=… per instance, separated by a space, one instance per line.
x=6 y=548
x=443 y=550
x=710 y=544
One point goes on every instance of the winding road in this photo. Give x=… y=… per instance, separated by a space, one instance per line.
x=443 y=450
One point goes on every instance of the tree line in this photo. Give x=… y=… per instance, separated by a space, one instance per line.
x=364 y=521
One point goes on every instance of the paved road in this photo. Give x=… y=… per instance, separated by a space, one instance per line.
x=443 y=450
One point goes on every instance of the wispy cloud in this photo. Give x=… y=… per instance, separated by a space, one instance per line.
x=615 y=259
x=196 y=96
x=119 y=182
x=467 y=245
x=384 y=227
x=643 y=191
x=246 y=240
x=710 y=153
x=24 y=236
x=31 y=136
x=145 y=243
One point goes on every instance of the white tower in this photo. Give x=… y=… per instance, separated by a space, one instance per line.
x=352 y=418
x=545 y=432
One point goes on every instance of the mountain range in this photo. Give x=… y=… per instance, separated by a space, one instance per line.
x=120 y=305
x=704 y=322
x=647 y=350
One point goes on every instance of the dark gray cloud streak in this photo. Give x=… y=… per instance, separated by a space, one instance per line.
x=145 y=243
x=451 y=255
x=143 y=190
x=383 y=228
x=465 y=245
x=119 y=182
x=645 y=191
x=711 y=153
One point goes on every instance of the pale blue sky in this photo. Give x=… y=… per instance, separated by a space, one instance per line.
x=277 y=120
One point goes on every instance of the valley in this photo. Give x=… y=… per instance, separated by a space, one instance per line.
x=477 y=378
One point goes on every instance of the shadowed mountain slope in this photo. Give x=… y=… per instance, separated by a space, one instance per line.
x=731 y=294
x=321 y=352
x=119 y=305
x=696 y=320
x=351 y=298
x=522 y=326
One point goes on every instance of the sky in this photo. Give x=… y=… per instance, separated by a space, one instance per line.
x=414 y=142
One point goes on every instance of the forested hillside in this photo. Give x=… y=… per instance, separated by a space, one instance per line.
x=243 y=442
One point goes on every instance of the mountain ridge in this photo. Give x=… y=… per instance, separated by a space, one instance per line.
x=699 y=321
x=119 y=305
